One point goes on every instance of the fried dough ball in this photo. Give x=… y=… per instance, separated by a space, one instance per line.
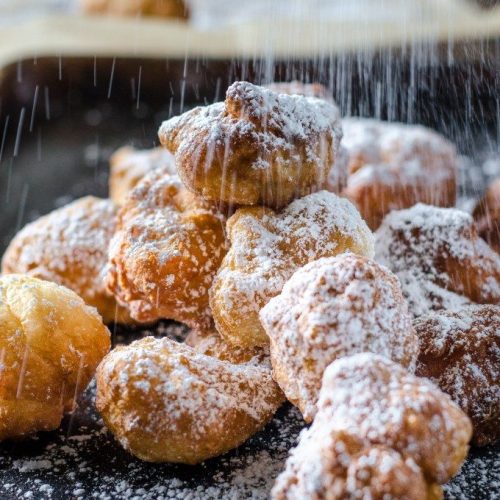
x=372 y=411
x=487 y=215
x=159 y=8
x=168 y=246
x=50 y=346
x=268 y=247
x=255 y=148
x=129 y=165
x=393 y=166
x=337 y=177
x=165 y=402
x=69 y=246
x=330 y=308
x=340 y=467
x=295 y=87
x=210 y=343
x=439 y=258
x=460 y=353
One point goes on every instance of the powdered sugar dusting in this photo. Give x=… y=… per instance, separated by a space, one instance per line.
x=421 y=243
x=331 y=308
x=366 y=401
x=268 y=247
x=460 y=352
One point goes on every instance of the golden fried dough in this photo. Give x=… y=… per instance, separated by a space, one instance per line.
x=487 y=215
x=210 y=343
x=168 y=245
x=371 y=411
x=330 y=308
x=339 y=466
x=129 y=165
x=69 y=246
x=159 y=8
x=255 y=148
x=165 y=402
x=393 y=166
x=337 y=177
x=439 y=259
x=50 y=345
x=268 y=247
x=460 y=352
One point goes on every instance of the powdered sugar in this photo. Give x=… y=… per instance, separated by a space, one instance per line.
x=128 y=166
x=367 y=401
x=267 y=247
x=331 y=308
x=432 y=250
x=67 y=246
x=460 y=352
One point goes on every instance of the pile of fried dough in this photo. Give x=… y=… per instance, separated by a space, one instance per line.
x=315 y=259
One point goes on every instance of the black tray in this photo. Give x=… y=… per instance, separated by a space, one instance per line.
x=60 y=120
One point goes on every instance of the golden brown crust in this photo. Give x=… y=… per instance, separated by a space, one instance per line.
x=439 y=258
x=50 y=345
x=393 y=166
x=460 y=352
x=267 y=247
x=129 y=165
x=158 y=8
x=371 y=411
x=69 y=246
x=255 y=148
x=330 y=308
x=165 y=402
x=168 y=246
x=487 y=215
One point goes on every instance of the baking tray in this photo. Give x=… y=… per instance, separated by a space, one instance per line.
x=60 y=118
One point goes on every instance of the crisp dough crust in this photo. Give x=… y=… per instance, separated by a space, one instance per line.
x=487 y=215
x=50 y=346
x=393 y=166
x=165 y=402
x=460 y=353
x=379 y=431
x=255 y=148
x=439 y=258
x=167 y=248
x=267 y=247
x=129 y=165
x=330 y=308
x=69 y=246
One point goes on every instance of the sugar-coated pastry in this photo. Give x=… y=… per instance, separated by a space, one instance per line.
x=167 y=248
x=255 y=148
x=487 y=215
x=337 y=177
x=460 y=353
x=267 y=247
x=330 y=308
x=159 y=8
x=69 y=246
x=210 y=343
x=50 y=345
x=393 y=166
x=439 y=258
x=379 y=433
x=165 y=402
x=296 y=87
x=129 y=165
